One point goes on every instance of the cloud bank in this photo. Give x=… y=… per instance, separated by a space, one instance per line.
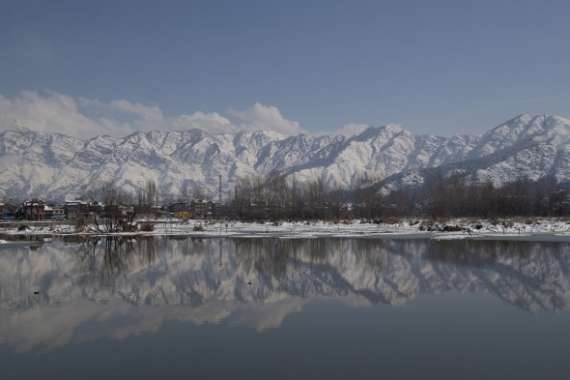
x=48 y=111
x=351 y=129
x=258 y=116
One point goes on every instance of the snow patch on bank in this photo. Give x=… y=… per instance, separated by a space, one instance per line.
x=413 y=228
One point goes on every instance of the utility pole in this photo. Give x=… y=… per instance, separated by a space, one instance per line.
x=220 y=189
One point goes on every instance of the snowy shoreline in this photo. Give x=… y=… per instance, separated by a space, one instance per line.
x=546 y=229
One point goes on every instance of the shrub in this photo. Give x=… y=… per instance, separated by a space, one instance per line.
x=146 y=227
x=80 y=224
x=451 y=228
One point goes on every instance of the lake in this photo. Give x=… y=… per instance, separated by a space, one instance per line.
x=275 y=308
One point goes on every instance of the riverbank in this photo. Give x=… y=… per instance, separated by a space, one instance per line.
x=529 y=229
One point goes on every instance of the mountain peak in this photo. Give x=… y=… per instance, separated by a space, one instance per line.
x=525 y=126
x=44 y=165
x=372 y=132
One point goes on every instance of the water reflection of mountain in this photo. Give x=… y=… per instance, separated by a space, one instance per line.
x=118 y=287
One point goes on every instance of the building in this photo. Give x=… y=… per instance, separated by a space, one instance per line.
x=222 y=211
x=179 y=206
x=76 y=209
x=149 y=212
x=180 y=209
x=202 y=209
x=118 y=211
x=197 y=208
x=8 y=211
x=34 y=209
x=54 y=212
x=81 y=209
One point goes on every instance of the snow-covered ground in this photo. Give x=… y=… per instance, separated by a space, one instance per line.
x=534 y=229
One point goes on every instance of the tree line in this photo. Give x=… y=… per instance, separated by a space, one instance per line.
x=281 y=198
x=454 y=197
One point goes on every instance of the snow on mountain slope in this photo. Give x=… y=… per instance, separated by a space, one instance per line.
x=35 y=164
x=380 y=152
x=524 y=147
x=529 y=146
x=55 y=166
x=281 y=155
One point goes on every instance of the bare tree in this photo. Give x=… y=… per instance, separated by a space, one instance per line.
x=115 y=216
x=149 y=195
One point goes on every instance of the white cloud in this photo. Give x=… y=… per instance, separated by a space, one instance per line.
x=141 y=117
x=211 y=122
x=266 y=118
x=48 y=111
x=351 y=129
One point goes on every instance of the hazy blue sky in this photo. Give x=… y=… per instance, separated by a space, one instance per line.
x=433 y=66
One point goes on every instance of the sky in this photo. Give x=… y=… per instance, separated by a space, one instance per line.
x=442 y=67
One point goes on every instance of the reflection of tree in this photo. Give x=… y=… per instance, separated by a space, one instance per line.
x=532 y=276
x=87 y=255
x=102 y=282
x=273 y=255
x=264 y=255
x=529 y=275
x=525 y=273
x=112 y=255
x=147 y=247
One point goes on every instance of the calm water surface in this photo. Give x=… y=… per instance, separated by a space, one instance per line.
x=268 y=308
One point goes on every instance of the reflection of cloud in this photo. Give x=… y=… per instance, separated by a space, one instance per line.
x=269 y=316
x=52 y=326
x=89 y=290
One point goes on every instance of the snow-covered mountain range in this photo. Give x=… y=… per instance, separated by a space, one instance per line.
x=55 y=166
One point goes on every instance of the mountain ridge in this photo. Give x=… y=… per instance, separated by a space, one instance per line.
x=55 y=166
